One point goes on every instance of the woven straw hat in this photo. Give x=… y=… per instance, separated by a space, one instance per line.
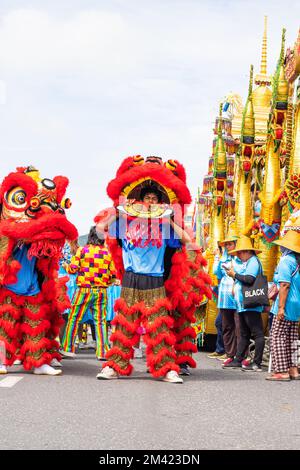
x=243 y=244
x=290 y=240
x=231 y=236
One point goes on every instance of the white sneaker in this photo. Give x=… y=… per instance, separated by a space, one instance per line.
x=173 y=377
x=138 y=353
x=17 y=362
x=45 y=369
x=67 y=354
x=3 y=369
x=55 y=363
x=83 y=346
x=107 y=373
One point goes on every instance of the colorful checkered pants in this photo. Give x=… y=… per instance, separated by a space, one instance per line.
x=94 y=298
x=284 y=344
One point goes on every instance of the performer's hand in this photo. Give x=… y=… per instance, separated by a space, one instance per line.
x=230 y=272
x=280 y=314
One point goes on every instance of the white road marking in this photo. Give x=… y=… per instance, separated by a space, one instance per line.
x=9 y=382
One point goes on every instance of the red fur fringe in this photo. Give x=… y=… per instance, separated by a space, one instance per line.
x=167 y=337
x=10 y=328
x=117 y=368
x=32 y=346
x=130 y=326
x=164 y=370
x=27 y=329
x=154 y=359
x=18 y=179
x=62 y=183
x=189 y=331
x=29 y=362
x=186 y=346
x=186 y=359
x=159 y=321
x=119 y=336
x=119 y=352
x=128 y=173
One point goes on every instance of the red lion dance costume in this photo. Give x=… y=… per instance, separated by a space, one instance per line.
x=168 y=320
x=32 y=216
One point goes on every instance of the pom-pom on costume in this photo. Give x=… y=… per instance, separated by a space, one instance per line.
x=161 y=284
x=33 y=230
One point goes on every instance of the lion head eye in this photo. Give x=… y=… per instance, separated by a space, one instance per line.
x=16 y=197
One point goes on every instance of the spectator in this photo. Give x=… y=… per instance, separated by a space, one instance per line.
x=68 y=251
x=286 y=310
x=226 y=300
x=245 y=273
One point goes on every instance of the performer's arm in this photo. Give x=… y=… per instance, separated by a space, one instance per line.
x=103 y=225
x=73 y=267
x=182 y=234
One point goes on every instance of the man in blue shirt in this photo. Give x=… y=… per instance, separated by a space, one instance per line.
x=245 y=273
x=145 y=243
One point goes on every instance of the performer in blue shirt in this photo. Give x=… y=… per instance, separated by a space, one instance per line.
x=144 y=243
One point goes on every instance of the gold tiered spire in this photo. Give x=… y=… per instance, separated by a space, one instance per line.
x=243 y=207
x=271 y=209
x=220 y=152
x=262 y=95
x=263 y=63
x=263 y=77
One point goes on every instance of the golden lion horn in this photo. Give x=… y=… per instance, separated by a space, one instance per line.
x=138 y=160
x=171 y=165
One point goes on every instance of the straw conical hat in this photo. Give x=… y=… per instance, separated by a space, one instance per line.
x=290 y=240
x=243 y=243
x=231 y=236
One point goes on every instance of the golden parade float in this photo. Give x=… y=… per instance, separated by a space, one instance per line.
x=253 y=182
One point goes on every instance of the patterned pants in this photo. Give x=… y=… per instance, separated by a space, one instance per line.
x=94 y=298
x=284 y=344
x=145 y=302
x=26 y=330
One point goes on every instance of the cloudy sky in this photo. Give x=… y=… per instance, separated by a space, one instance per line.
x=85 y=83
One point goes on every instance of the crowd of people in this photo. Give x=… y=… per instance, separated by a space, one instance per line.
x=142 y=307
x=237 y=268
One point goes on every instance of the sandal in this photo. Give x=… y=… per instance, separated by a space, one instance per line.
x=278 y=378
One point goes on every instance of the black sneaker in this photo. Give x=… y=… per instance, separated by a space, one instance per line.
x=252 y=367
x=184 y=370
x=235 y=364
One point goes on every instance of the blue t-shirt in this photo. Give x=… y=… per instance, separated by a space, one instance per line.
x=141 y=254
x=27 y=278
x=226 y=298
x=287 y=272
x=252 y=267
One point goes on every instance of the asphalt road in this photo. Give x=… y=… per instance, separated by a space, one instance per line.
x=213 y=409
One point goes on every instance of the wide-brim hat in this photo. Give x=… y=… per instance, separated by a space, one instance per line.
x=231 y=235
x=244 y=244
x=290 y=240
x=232 y=238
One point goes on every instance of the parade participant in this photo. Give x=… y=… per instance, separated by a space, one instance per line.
x=245 y=273
x=286 y=309
x=95 y=272
x=33 y=230
x=226 y=300
x=219 y=352
x=68 y=251
x=149 y=238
